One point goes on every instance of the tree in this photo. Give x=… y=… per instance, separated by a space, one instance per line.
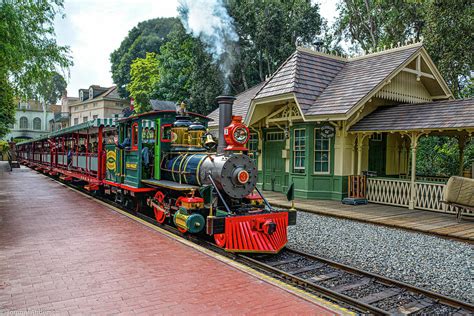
x=268 y=32
x=28 y=51
x=187 y=72
x=146 y=37
x=444 y=26
x=373 y=24
x=450 y=41
x=50 y=90
x=144 y=74
x=7 y=106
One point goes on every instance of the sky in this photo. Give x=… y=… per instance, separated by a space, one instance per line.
x=94 y=29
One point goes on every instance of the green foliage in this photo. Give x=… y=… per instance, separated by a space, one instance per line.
x=28 y=49
x=268 y=31
x=145 y=76
x=51 y=88
x=7 y=106
x=4 y=147
x=445 y=27
x=146 y=37
x=450 y=41
x=187 y=72
x=29 y=53
x=439 y=156
x=370 y=24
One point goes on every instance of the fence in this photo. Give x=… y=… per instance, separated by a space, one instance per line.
x=397 y=192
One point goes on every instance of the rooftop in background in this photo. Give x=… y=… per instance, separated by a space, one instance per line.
x=96 y=92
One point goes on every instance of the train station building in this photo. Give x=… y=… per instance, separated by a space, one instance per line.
x=321 y=118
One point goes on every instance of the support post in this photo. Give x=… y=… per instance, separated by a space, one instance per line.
x=461 y=144
x=360 y=140
x=414 y=144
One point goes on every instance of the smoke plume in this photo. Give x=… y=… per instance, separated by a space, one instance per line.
x=210 y=21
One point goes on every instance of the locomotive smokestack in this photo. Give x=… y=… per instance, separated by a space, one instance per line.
x=225 y=118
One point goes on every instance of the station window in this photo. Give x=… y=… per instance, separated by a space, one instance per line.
x=322 y=152
x=275 y=136
x=252 y=145
x=76 y=121
x=299 y=150
x=134 y=136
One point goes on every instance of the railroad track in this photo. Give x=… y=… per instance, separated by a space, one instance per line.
x=359 y=290
x=363 y=291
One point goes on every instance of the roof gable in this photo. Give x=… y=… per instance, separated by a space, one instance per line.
x=358 y=78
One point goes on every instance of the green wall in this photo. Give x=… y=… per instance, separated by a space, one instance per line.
x=307 y=184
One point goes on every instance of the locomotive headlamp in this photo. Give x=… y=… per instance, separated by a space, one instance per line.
x=236 y=134
x=241 y=135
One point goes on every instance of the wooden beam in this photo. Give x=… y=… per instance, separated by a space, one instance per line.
x=419 y=73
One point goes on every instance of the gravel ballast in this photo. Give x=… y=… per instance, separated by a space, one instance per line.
x=434 y=263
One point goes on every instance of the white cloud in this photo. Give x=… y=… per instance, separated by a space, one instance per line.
x=94 y=29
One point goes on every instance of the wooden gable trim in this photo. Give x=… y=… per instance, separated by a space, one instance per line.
x=421 y=52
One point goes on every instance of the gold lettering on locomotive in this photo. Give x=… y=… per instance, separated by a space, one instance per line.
x=132 y=166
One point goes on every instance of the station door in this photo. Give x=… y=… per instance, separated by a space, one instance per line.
x=274 y=164
x=378 y=153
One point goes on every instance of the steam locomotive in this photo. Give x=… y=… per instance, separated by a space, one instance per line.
x=165 y=162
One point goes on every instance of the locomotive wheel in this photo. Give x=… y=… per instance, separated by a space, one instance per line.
x=220 y=240
x=160 y=215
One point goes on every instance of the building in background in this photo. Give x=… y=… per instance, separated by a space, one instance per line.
x=62 y=115
x=31 y=120
x=96 y=102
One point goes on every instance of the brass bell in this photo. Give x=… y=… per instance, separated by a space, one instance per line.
x=209 y=142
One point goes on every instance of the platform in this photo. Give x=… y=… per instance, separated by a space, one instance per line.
x=435 y=223
x=64 y=253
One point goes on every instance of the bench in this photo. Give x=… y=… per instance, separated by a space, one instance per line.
x=459 y=193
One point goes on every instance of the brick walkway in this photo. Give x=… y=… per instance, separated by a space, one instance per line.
x=64 y=253
x=436 y=223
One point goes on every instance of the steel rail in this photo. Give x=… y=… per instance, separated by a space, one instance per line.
x=333 y=295
x=439 y=297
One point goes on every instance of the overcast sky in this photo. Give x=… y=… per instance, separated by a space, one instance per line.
x=94 y=29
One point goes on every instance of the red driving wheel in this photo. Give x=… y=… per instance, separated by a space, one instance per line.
x=220 y=240
x=159 y=213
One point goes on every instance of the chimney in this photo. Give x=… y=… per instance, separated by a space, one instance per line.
x=225 y=118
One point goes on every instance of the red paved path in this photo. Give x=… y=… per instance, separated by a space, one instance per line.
x=61 y=252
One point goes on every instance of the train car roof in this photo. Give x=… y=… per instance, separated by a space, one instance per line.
x=108 y=122
x=150 y=113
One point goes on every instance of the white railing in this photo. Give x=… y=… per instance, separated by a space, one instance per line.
x=388 y=191
x=397 y=192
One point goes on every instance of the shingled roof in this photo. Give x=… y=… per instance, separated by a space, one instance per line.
x=305 y=74
x=241 y=104
x=449 y=114
x=325 y=84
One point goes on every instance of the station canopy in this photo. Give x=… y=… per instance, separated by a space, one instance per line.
x=439 y=116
